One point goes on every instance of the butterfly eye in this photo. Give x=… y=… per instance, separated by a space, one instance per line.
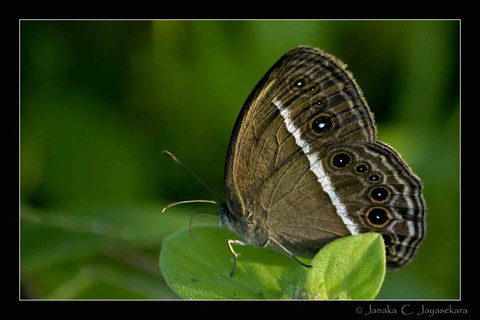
x=341 y=160
x=374 y=177
x=361 y=168
x=299 y=83
x=378 y=217
x=379 y=194
x=321 y=123
x=320 y=101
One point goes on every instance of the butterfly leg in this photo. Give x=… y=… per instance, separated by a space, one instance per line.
x=235 y=255
x=288 y=252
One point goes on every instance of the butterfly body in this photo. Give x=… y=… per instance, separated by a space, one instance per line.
x=304 y=166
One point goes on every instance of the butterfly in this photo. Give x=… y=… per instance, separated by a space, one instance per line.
x=304 y=166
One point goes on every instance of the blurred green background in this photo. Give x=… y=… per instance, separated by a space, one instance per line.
x=101 y=99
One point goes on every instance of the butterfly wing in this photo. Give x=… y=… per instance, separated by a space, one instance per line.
x=378 y=192
x=260 y=141
x=276 y=175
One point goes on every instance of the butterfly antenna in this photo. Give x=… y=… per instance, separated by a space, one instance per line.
x=174 y=158
x=187 y=201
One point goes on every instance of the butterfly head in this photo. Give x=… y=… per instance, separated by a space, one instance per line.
x=227 y=219
x=246 y=227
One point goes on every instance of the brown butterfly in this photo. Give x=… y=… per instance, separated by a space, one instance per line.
x=304 y=166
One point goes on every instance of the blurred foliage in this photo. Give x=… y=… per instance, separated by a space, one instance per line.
x=101 y=99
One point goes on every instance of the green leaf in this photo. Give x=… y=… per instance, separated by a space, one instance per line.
x=200 y=269
x=348 y=268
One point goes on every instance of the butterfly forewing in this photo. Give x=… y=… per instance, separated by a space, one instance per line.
x=288 y=86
